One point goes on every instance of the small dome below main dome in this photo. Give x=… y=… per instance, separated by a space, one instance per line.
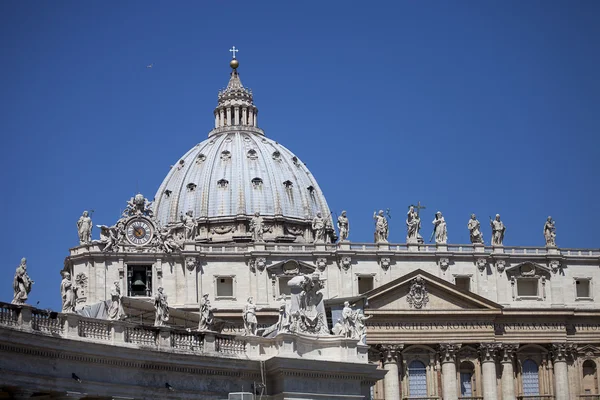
x=238 y=172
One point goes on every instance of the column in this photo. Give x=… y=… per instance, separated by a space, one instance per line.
x=228 y=116
x=216 y=119
x=244 y=116
x=391 y=382
x=221 y=117
x=255 y=117
x=250 y=117
x=448 y=359
x=508 y=371
x=236 y=113
x=488 y=351
x=560 y=353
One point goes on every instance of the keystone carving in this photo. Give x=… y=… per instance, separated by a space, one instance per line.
x=191 y=263
x=385 y=263
x=481 y=264
x=554 y=266
x=500 y=265
x=321 y=263
x=444 y=263
x=258 y=263
x=345 y=262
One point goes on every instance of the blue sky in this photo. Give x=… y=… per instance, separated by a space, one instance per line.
x=466 y=106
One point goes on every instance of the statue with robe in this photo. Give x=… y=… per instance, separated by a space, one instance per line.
x=68 y=293
x=84 y=228
x=413 y=226
x=475 y=230
x=257 y=228
x=318 y=227
x=343 y=227
x=21 y=283
x=190 y=224
x=115 y=311
x=498 y=230
x=440 y=229
x=381 y=227
x=550 y=232
x=206 y=314
x=249 y=318
x=161 y=308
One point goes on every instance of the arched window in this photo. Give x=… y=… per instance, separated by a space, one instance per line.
x=531 y=379
x=589 y=380
x=417 y=379
x=467 y=370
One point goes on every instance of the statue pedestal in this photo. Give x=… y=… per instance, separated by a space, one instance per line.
x=189 y=246
x=498 y=249
x=320 y=247
x=383 y=246
x=412 y=244
x=552 y=250
x=345 y=245
x=441 y=247
x=258 y=246
x=479 y=247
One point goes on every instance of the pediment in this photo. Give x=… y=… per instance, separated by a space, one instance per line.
x=422 y=291
x=290 y=267
x=528 y=268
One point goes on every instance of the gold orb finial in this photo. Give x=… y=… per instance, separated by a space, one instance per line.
x=234 y=63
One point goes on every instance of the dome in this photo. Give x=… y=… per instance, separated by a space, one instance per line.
x=238 y=172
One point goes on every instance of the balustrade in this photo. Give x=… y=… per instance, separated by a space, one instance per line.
x=141 y=335
x=229 y=345
x=187 y=341
x=536 y=397
x=589 y=397
x=47 y=322
x=94 y=329
x=9 y=315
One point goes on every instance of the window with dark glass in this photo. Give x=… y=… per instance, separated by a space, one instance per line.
x=139 y=280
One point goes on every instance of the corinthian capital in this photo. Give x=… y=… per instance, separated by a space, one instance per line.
x=488 y=351
x=561 y=351
x=508 y=352
x=390 y=353
x=448 y=352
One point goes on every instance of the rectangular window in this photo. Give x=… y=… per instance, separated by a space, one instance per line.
x=463 y=282
x=284 y=289
x=527 y=287
x=224 y=286
x=582 y=288
x=139 y=280
x=365 y=283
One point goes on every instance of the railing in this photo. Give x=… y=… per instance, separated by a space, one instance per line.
x=471 y=398
x=94 y=329
x=229 y=345
x=187 y=341
x=422 y=398
x=142 y=336
x=48 y=322
x=536 y=397
x=589 y=397
x=8 y=315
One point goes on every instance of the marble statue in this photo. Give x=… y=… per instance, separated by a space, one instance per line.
x=115 y=311
x=338 y=329
x=138 y=205
x=21 y=283
x=283 y=322
x=413 y=226
x=161 y=307
x=498 y=229
x=84 y=228
x=343 y=227
x=111 y=236
x=360 y=326
x=347 y=319
x=190 y=224
x=249 y=317
x=206 y=314
x=68 y=292
x=318 y=227
x=166 y=240
x=550 y=232
x=475 y=230
x=439 y=229
x=257 y=228
x=381 y=227
x=307 y=309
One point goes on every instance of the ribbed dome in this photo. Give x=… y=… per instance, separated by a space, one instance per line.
x=239 y=173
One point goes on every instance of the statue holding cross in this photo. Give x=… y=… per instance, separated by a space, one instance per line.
x=413 y=224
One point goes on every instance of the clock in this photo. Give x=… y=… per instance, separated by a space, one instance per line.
x=139 y=232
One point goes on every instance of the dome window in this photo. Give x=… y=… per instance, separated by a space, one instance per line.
x=252 y=154
x=257 y=183
x=223 y=183
x=295 y=161
x=191 y=187
x=200 y=159
x=276 y=156
x=180 y=164
x=226 y=155
x=288 y=185
x=168 y=193
x=311 y=189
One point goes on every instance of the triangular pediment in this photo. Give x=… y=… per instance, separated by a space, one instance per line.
x=422 y=291
x=290 y=267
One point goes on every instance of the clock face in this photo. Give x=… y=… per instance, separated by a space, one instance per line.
x=139 y=232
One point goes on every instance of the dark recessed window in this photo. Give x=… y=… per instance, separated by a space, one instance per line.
x=257 y=183
x=288 y=184
x=223 y=183
x=168 y=193
x=191 y=187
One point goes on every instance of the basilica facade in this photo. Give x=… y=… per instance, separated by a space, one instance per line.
x=236 y=221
